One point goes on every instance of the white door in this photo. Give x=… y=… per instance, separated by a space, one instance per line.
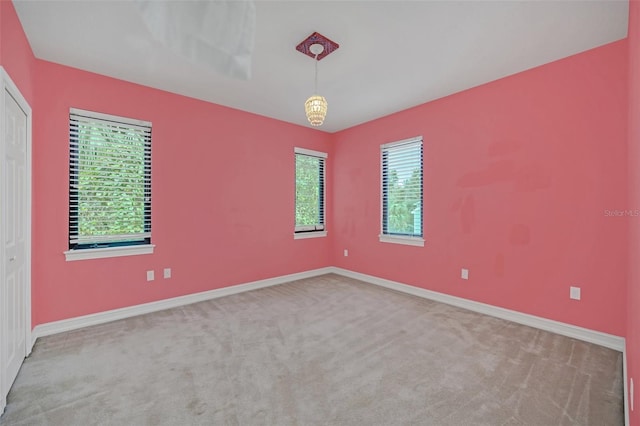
x=14 y=232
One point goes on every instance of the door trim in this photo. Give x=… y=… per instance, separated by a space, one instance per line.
x=8 y=86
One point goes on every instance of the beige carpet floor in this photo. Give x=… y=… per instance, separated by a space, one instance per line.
x=322 y=351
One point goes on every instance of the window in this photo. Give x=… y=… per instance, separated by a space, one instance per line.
x=309 y=193
x=109 y=186
x=402 y=192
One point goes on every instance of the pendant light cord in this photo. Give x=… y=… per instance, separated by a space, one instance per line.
x=316 y=82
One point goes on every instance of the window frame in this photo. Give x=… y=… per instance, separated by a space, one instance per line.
x=395 y=238
x=305 y=231
x=93 y=250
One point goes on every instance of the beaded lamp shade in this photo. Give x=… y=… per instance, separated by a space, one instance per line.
x=316 y=110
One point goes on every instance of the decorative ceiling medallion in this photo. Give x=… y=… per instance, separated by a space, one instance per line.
x=317 y=38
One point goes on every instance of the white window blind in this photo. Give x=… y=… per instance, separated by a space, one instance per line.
x=402 y=188
x=109 y=180
x=310 y=186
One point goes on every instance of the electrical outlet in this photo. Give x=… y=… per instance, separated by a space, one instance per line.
x=167 y=272
x=574 y=293
x=464 y=274
x=346 y=252
x=150 y=276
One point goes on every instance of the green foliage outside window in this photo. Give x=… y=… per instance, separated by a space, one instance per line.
x=404 y=209
x=402 y=188
x=309 y=191
x=111 y=185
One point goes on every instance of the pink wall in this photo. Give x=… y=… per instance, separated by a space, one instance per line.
x=15 y=52
x=222 y=190
x=633 y=295
x=518 y=173
x=2 y=14
x=223 y=197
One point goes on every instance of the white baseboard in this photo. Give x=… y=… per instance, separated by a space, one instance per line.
x=146 y=308
x=603 y=339
x=580 y=333
x=625 y=389
x=591 y=336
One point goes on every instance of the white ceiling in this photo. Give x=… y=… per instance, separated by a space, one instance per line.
x=393 y=54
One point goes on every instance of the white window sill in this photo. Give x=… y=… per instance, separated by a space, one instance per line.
x=98 y=253
x=396 y=239
x=303 y=235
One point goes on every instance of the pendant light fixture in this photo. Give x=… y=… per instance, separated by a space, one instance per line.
x=316 y=105
x=317 y=47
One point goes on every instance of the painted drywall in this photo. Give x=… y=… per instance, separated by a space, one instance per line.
x=523 y=178
x=222 y=190
x=633 y=295
x=15 y=52
x=518 y=176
